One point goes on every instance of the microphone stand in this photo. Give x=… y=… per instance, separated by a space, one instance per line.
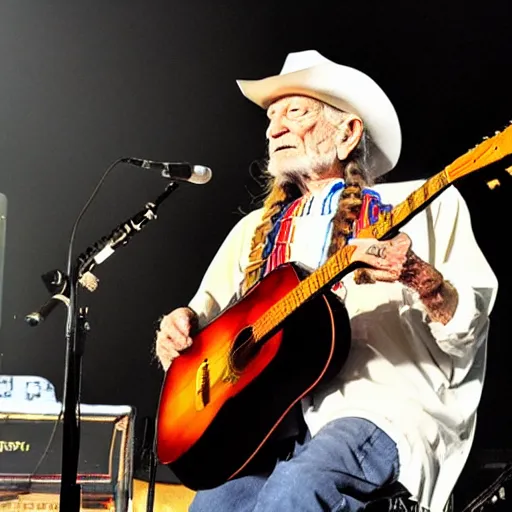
x=77 y=327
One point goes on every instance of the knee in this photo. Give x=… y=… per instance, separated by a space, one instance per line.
x=300 y=486
x=295 y=476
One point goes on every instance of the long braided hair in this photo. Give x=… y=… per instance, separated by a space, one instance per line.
x=357 y=175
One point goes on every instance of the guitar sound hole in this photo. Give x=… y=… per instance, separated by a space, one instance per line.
x=244 y=350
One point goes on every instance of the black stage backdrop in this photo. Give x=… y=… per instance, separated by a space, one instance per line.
x=84 y=83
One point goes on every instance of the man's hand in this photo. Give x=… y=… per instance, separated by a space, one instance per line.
x=393 y=260
x=386 y=259
x=173 y=335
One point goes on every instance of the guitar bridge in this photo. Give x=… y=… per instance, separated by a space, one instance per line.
x=202 y=385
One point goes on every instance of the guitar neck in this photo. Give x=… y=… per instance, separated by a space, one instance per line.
x=340 y=264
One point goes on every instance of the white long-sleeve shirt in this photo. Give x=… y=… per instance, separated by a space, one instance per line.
x=419 y=381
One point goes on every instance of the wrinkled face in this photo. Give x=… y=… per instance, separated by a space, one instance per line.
x=302 y=139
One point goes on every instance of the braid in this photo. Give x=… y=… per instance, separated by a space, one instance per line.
x=278 y=197
x=357 y=177
x=349 y=206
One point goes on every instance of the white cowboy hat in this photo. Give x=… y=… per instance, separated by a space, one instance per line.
x=311 y=74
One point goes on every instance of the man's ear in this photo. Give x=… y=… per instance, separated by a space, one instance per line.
x=348 y=137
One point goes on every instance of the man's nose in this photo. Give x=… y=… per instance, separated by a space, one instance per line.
x=276 y=128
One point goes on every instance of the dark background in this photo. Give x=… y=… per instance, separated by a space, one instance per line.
x=83 y=83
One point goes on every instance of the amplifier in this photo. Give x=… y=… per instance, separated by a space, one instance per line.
x=29 y=463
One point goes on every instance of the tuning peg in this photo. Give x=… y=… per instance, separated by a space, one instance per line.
x=492 y=184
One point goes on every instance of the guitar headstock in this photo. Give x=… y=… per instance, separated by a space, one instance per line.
x=490 y=150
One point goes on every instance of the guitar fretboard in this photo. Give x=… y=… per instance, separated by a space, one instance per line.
x=306 y=289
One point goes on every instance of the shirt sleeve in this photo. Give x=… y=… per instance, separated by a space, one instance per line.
x=221 y=281
x=456 y=254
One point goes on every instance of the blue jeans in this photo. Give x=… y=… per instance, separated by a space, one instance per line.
x=337 y=470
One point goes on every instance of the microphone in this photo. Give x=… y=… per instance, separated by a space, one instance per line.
x=181 y=171
x=36 y=317
x=57 y=283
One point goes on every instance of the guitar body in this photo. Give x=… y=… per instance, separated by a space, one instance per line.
x=220 y=403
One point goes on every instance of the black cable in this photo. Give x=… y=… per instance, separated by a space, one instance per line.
x=47 y=449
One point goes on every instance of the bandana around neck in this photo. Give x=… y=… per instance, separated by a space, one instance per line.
x=318 y=209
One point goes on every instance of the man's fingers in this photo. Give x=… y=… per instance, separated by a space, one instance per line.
x=373 y=261
x=176 y=330
x=165 y=352
x=383 y=275
x=173 y=335
x=169 y=324
x=402 y=240
x=176 y=338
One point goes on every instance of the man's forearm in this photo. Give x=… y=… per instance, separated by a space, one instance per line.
x=439 y=297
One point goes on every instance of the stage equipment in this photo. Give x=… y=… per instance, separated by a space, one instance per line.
x=31 y=432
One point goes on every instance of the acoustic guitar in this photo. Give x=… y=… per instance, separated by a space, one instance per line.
x=222 y=399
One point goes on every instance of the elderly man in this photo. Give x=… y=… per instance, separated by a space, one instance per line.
x=403 y=407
